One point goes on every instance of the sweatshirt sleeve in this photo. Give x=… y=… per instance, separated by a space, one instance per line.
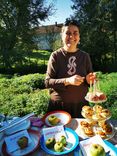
x=51 y=80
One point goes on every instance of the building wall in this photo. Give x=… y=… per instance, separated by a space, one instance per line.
x=47 y=36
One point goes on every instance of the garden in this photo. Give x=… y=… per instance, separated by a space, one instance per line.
x=20 y=95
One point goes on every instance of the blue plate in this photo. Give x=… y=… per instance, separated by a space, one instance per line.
x=112 y=148
x=72 y=142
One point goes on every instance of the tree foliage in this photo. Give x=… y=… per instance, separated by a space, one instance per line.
x=17 y=20
x=98 y=30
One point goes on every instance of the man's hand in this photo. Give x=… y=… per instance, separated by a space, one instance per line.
x=91 y=77
x=75 y=80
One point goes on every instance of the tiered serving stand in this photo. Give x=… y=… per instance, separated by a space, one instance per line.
x=93 y=89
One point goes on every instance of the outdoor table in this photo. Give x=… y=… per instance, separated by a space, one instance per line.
x=74 y=124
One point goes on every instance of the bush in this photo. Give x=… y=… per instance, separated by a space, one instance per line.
x=23 y=94
x=38 y=102
x=22 y=104
x=108 y=85
x=20 y=95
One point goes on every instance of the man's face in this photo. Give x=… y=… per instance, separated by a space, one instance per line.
x=70 y=36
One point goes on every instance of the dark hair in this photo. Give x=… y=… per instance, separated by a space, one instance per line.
x=71 y=22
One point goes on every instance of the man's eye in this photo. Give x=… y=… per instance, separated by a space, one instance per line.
x=76 y=33
x=67 y=33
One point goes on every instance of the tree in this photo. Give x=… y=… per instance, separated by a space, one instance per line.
x=98 y=30
x=17 y=20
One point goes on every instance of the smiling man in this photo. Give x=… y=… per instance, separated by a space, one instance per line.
x=69 y=72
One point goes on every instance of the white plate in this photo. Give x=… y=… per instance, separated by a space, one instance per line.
x=64 y=117
x=81 y=133
x=99 y=101
x=21 y=126
x=72 y=142
x=35 y=137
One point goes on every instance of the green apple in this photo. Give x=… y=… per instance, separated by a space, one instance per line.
x=50 y=142
x=53 y=120
x=63 y=140
x=58 y=147
x=97 y=150
x=23 y=142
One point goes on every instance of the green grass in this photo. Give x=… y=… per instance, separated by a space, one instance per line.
x=32 y=62
x=38 y=56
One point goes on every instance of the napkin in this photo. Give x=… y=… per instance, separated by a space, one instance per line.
x=85 y=144
x=55 y=131
x=11 y=141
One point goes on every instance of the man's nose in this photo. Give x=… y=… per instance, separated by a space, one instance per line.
x=70 y=35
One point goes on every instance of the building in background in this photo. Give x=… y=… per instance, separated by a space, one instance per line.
x=48 y=37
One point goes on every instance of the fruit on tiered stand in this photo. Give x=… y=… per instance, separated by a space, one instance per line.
x=96 y=121
x=96 y=113
x=95 y=95
x=96 y=117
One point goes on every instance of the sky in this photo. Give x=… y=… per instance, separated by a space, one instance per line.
x=63 y=11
